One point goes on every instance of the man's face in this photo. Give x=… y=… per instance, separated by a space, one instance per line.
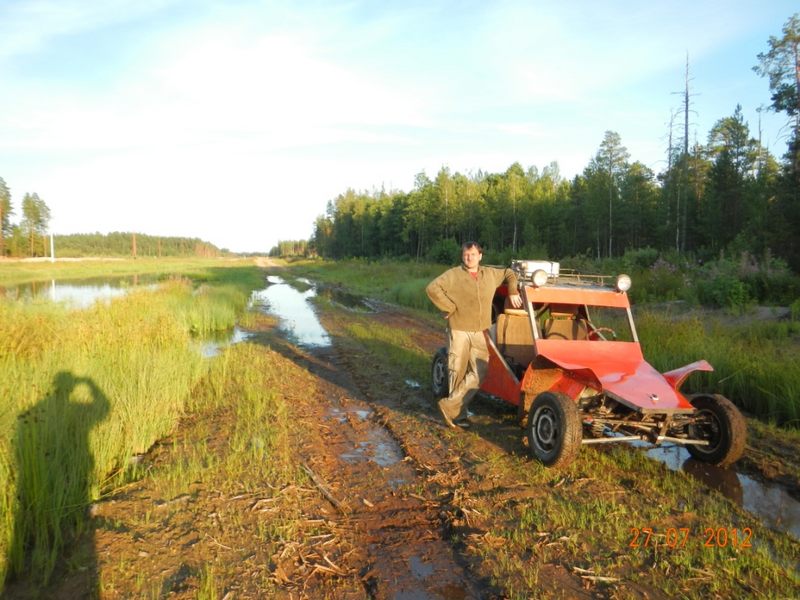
x=471 y=258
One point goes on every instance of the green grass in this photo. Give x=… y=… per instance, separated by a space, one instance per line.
x=84 y=390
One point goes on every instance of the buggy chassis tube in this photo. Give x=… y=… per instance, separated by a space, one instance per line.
x=639 y=438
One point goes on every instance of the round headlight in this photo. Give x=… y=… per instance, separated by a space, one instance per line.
x=539 y=277
x=623 y=283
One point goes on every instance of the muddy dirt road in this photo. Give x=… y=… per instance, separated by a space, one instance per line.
x=390 y=503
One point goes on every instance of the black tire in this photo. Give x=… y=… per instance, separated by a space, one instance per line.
x=440 y=376
x=722 y=425
x=554 y=429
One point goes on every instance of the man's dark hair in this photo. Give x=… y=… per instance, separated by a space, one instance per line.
x=468 y=245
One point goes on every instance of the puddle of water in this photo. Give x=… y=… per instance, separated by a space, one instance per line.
x=363 y=415
x=419 y=568
x=383 y=452
x=213 y=347
x=386 y=454
x=338 y=414
x=296 y=317
x=772 y=504
x=345 y=299
x=379 y=447
x=77 y=293
x=355 y=455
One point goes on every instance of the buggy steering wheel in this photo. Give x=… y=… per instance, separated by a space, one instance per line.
x=596 y=333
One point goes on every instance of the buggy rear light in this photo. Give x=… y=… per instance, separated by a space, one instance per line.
x=539 y=277
x=623 y=283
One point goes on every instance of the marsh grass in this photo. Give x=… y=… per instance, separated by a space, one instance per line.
x=22 y=271
x=399 y=350
x=242 y=422
x=84 y=390
x=757 y=365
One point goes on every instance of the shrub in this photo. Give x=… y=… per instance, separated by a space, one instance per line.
x=719 y=288
x=642 y=258
x=446 y=252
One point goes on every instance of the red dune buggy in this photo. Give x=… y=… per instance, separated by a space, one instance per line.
x=571 y=361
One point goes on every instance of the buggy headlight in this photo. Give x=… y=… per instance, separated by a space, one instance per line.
x=623 y=283
x=539 y=277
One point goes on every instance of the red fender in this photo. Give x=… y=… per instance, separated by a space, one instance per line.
x=676 y=377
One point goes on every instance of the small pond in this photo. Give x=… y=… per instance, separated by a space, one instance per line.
x=77 y=293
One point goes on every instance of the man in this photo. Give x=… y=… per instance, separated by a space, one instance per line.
x=465 y=295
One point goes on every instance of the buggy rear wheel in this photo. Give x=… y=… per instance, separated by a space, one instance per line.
x=440 y=376
x=554 y=429
x=721 y=424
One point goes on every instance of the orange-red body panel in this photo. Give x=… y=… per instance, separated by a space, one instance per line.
x=613 y=367
x=499 y=380
x=676 y=377
x=573 y=295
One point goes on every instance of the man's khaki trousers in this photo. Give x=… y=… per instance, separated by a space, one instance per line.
x=467 y=362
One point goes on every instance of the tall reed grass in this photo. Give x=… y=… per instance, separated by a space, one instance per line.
x=16 y=272
x=83 y=391
x=757 y=366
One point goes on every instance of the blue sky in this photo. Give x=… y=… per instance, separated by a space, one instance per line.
x=237 y=122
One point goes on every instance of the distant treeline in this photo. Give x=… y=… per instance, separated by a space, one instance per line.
x=292 y=248
x=30 y=238
x=131 y=244
x=728 y=196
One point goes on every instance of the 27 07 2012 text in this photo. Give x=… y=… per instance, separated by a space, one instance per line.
x=678 y=537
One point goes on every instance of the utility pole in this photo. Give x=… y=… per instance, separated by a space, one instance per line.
x=52 y=248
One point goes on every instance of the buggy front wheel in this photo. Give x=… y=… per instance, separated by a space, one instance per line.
x=554 y=429
x=440 y=376
x=718 y=422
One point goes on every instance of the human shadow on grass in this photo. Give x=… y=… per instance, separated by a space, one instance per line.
x=54 y=483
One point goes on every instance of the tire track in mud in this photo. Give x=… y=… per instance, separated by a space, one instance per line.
x=402 y=547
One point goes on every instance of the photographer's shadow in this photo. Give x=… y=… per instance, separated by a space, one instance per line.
x=56 y=481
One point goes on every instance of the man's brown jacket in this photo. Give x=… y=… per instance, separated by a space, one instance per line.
x=467 y=301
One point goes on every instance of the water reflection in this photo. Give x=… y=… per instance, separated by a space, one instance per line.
x=296 y=317
x=212 y=347
x=77 y=293
x=771 y=503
